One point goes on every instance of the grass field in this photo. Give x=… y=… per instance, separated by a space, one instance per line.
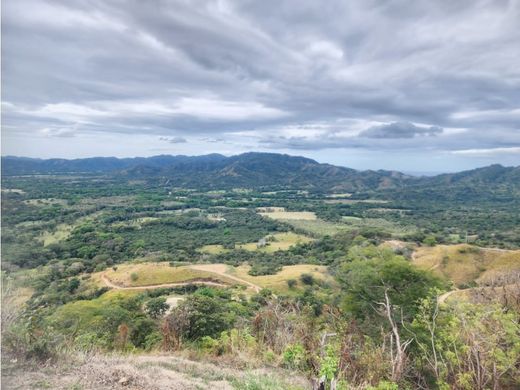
x=465 y=264
x=317 y=227
x=281 y=241
x=278 y=282
x=288 y=215
x=354 y=201
x=148 y=274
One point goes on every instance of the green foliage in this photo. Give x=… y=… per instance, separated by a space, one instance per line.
x=294 y=356
x=374 y=270
x=468 y=346
x=307 y=279
x=430 y=241
x=156 y=307
x=384 y=385
x=261 y=382
x=202 y=315
x=329 y=363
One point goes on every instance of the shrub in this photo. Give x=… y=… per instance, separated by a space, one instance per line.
x=291 y=283
x=294 y=356
x=156 y=307
x=307 y=279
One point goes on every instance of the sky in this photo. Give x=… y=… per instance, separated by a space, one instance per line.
x=417 y=86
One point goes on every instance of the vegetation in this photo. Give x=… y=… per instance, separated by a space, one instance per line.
x=362 y=287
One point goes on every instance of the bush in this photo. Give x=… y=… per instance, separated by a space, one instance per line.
x=156 y=307
x=294 y=356
x=291 y=283
x=307 y=279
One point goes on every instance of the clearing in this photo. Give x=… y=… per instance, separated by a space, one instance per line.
x=279 y=213
x=155 y=275
x=271 y=243
x=278 y=281
x=464 y=264
x=133 y=277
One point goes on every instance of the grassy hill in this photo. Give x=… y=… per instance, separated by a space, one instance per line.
x=467 y=265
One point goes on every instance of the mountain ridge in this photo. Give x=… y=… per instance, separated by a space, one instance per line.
x=254 y=169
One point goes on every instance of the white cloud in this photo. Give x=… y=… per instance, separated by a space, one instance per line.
x=487 y=152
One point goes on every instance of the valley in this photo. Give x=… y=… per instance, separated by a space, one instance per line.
x=177 y=274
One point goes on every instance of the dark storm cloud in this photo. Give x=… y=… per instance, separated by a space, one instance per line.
x=174 y=140
x=364 y=74
x=400 y=130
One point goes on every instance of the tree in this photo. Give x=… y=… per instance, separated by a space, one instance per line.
x=73 y=285
x=307 y=279
x=156 y=307
x=430 y=241
x=364 y=282
x=200 y=315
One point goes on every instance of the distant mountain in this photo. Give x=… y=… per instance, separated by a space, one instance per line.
x=27 y=166
x=255 y=170
x=494 y=174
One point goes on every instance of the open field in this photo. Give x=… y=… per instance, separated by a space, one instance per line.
x=161 y=275
x=273 y=242
x=148 y=274
x=288 y=215
x=317 y=227
x=278 y=281
x=465 y=263
x=355 y=201
x=343 y=195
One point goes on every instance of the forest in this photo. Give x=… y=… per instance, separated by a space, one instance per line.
x=405 y=287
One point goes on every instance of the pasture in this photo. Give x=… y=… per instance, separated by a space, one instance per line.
x=151 y=274
x=467 y=264
x=271 y=243
x=278 y=281
x=279 y=213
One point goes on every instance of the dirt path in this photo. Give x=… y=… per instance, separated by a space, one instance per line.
x=220 y=269
x=110 y=284
x=442 y=298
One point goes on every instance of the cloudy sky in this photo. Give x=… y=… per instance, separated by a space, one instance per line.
x=414 y=85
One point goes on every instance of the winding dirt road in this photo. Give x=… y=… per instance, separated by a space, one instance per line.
x=218 y=269
x=110 y=284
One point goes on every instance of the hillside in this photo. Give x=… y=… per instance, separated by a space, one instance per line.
x=260 y=170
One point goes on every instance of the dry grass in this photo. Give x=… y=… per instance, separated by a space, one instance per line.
x=61 y=233
x=278 y=282
x=279 y=241
x=289 y=215
x=151 y=274
x=464 y=263
x=354 y=201
x=145 y=371
x=317 y=227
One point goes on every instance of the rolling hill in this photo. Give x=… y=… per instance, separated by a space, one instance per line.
x=257 y=170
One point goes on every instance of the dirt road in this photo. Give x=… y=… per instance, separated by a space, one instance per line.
x=109 y=283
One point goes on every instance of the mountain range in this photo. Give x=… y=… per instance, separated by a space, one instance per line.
x=255 y=170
